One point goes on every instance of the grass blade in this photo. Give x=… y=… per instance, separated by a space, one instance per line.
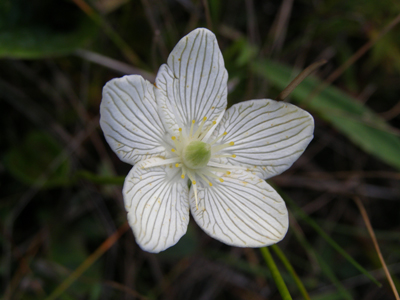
x=325 y=268
x=280 y=284
x=299 y=212
x=361 y=125
x=291 y=270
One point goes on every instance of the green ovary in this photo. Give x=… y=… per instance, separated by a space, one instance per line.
x=196 y=155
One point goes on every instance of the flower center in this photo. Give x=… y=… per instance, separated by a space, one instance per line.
x=192 y=153
x=196 y=155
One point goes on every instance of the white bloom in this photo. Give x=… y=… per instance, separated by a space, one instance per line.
x=177 y=131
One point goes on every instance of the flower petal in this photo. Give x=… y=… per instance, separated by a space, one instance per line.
x=268 y=135
x=156 y=199
x=130 y=120
x=242 y=211
x=193 y=83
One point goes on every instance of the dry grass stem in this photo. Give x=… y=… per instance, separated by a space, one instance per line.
x=376 y=245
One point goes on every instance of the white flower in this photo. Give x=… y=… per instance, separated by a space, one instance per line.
x=177 y=132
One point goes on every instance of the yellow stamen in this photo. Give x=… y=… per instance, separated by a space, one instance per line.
x=191 y=128
x=196 y=134
x=218 y=138
x=173 y=150
x=183 y=176
x=218 y=148
x=177 y=144
x=177 y=165
x=180 y=134
x=224 y=155
x=207 y=130
x=209 y=174
x=163 y=162
x=204 y=178
x=195 y=195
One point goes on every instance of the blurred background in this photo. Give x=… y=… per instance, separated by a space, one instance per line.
x=63 y=223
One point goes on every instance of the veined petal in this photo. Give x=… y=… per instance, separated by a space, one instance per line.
x=156 y=199
x=268 y=135
x=242 y=211
x=193 y=83
x=130 y=119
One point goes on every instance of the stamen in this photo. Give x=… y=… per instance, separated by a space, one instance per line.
x=207 y=130
x=209 y=174
x=195 y=194
x=224 y=167
x=177 y=144
x=172 y=150
x=177 y=165
x=163 y=162
x=192 y=179
x=218 y=148
x=183 y=172
x=200 y=127
x=180 y=134
x=224 y=155
x=218 y=138
x=191 y=128
x=204 y=178
x=213 y=128
x=217 y=170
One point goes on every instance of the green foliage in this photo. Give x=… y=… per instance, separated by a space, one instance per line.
x=38 y=161
x=35 y=29
x=361 y=125
x=47 y=233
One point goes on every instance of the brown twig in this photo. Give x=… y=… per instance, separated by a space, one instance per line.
x=111 y=33
x=356 y=56
x=299 y=78
x=391 y=113
x=107 y=244
x=376 y=245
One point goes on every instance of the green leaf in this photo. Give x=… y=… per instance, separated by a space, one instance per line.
x=32 y=162
x=360 y=124
x=29 y=29
x=99 y=179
